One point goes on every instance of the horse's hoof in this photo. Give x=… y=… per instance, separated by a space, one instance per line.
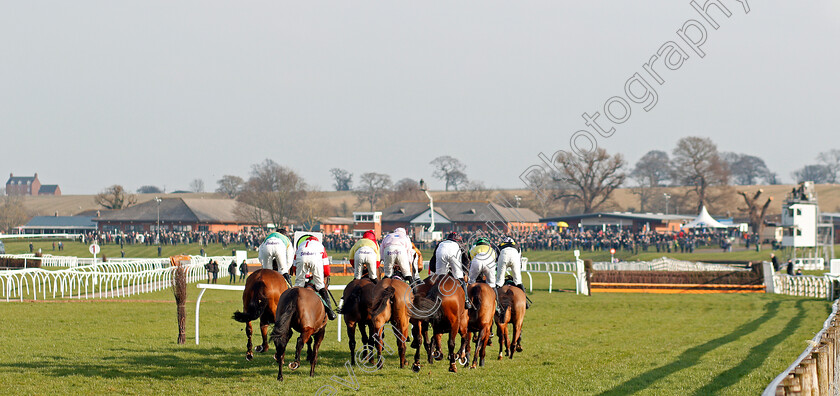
x=463 y=361
x=500 y=357
x=249 y=356
x=519 y=348
x=294 y=365
x=490 y=340
x=259 y=349
x=472 y=366
x=437 y=355
x=452 y=368
x=415 y=367
x=481 y=362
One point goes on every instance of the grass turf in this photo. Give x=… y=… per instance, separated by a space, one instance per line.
x=610 y=344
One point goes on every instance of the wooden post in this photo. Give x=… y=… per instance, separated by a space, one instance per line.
x=823 y=374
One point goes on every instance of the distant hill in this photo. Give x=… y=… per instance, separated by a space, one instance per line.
x=344 y=203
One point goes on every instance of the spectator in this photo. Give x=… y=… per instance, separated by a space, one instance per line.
x=243 y=270
x=215 y=266
x=232 y=271
x=31 y=247
x=209 y=268
x=790 y=268
x=775 y=262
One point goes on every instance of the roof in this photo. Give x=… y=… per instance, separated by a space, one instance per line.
x=61 y=222
x=704 y=220
x=337 y=221
x=48 y=189
x=20 y=179
x=185 y=210
x=622 y=215
x=460 y=212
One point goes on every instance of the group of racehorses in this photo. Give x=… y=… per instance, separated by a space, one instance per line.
x=436 y=303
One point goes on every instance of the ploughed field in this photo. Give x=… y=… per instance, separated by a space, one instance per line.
x=603 y=344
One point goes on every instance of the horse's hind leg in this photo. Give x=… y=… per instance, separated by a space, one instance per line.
x=303 y=339
x=280 y=354
x=264 y=331
x=450 y=344
x=351 y=336
x=309 y=350
x=249 y=354
x=484 y=342
x=319 y=336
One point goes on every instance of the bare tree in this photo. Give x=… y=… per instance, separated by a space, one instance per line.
x=450 y=170
x=230 y=185
x=755 y=210
x=594 y=176
x=747 y=169
x=831 y=160
x=819 y=174
x=12 y=213
x=651 y=171
x=197 y=185
x=697 y=164
x=277 y=190
x=343 y=180
x=149 y=190
x=115 y=197
x=406 y=189
x=372 y=187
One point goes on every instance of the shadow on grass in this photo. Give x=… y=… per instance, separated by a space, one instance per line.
x=758 y=354
x=691 y=356
x=174 y=363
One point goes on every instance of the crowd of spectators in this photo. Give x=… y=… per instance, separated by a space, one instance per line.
x=546 y=239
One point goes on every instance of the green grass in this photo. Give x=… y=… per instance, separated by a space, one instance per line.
x=604 y=344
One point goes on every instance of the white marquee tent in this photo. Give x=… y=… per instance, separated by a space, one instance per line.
x=704 y=220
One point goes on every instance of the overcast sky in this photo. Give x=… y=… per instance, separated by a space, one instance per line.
x=94 y=93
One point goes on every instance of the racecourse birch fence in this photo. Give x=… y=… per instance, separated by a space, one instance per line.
x=115 y=278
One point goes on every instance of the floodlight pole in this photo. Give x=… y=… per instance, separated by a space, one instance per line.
x=431 y=204
x=157 y=199
x=667 y=197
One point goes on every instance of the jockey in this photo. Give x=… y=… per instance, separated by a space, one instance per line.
x=451 y=259
x=483 y=262
x=311 y=258
x=510 y=257
x=365 y=253
x=277 y=253
x=396 y=250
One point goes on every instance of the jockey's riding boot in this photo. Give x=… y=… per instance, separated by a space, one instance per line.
x=374 y=280
x=527 y=300
x=330 y=314
x=467 y=302
x=417 y=280
x=498 y=302
x=288 y=278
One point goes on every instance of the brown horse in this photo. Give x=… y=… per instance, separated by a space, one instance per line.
x=390 y=304
x=262 y=291
x=357 y=297
x=443 y=309
x=303 y=312
x=483 y=298
x=513 y=311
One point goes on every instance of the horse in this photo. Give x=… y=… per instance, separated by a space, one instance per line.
x=262 y=292
x=389 y=304
x=302 y=311
x=480 y=320
x=443 y=308
x=357 y=296
x=513 y=303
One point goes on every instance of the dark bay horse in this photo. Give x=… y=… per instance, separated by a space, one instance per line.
x=390 y=305
x=302 y=311
x=262 y=291
x=480 y=320
x=443 y=309
x=513 y=311
x=357 y=297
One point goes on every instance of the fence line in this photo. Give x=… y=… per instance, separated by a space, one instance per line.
x=102 y=280
x=802 y=285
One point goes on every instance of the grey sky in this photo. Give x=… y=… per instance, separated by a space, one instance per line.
x=94 y=93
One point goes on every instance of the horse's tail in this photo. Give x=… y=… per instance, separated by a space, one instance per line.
x=256 y=305
x=352 y=300
x=282 y=329
x=426 y=308
x=505 y=302
x=379 y=302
